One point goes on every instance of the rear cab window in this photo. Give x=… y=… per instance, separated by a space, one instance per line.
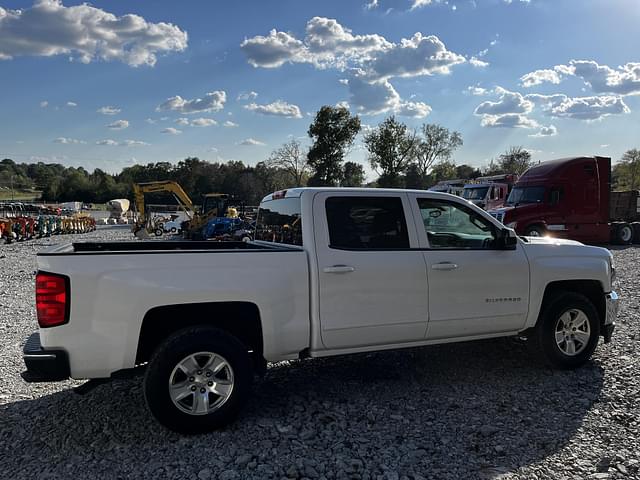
x=280 y=221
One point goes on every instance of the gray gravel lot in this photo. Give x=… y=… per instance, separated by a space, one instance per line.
x=474 y=410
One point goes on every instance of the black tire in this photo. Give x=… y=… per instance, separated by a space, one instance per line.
x=636 y=232
x=543 y=339
x=158 y=232
x=535 y=231
x=174 y=350
x=622 y=233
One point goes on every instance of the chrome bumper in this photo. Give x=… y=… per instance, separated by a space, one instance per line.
x=612 y=302
x=612 y=308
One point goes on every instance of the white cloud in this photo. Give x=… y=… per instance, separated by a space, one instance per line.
x=413 y=109
x=476 y=62
x=244 y=96
x=343 y=104
x=44 y=104
x=69 y=141
x=372 y=5
x=590 y=108
x=125 y=143
x=150 y=121
x=72 y=104
x=251 y=142
x=108 y=110
x=108 y=142
x=508 y=120
x=134 y=143
x=420 y=3
x=372 y=98
x=540 y=76
x=625 y=80
x=119 y=125
x=230 y=124
x=85 y=33
x=182 y=121
x=416 y=56
x=329 y=44
x=509 y=102
x=278 y=108
x=476 y=91
x=172 y=131
x=549 y=131
x=274 y=50
x=546 y=102
x=212 y=102
x=203 y=122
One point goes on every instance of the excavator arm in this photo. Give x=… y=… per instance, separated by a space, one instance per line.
x=140 y=189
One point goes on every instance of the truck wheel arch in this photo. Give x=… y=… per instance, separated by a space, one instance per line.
x=592 y=289
x=240 y=319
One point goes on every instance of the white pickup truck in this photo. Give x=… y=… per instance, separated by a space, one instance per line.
x=330 y=272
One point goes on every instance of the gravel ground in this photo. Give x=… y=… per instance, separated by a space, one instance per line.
x=474 y=410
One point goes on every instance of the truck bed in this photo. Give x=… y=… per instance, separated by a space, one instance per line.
x=164 y=246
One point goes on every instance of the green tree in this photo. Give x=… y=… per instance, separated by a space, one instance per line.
x=467 y=171
x=333 y=131
x=514 y=160
x=444 y=170
x=353 y=175
x=436 y=144
x=391 y=148
x=626 y=173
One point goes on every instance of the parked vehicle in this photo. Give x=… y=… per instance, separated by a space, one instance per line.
x=572 y=198
x=331 y=272
x=489 y=192
x=454 y=187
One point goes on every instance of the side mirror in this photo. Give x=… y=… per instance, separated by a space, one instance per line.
x=507 y=239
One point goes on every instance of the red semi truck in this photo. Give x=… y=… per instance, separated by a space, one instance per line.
x=572 y=198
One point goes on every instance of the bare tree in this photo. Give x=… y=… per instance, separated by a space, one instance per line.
x=436 y=145
x=291 y=158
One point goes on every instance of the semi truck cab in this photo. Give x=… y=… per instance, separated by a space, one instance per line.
x=570 y=198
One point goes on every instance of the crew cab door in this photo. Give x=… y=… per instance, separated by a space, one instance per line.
x=474 y=287
x=372 y=287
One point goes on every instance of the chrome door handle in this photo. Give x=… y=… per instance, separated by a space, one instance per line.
x=444 y=266
x=339 y=269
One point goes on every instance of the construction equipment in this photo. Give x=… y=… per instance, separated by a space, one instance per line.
x=213 y=205
x=118 y=209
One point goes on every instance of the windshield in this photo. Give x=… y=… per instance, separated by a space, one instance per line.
x=475 y=193
x=525 y=195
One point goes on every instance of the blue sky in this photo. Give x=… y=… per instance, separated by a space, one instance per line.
x=560 y=77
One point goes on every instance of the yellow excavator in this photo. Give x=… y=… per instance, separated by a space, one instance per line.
x=213 y=205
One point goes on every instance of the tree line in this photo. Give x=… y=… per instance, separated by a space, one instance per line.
x=401 y=157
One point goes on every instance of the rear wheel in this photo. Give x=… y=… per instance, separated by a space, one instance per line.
x=198 y=380
x=622 y=233
x=567 y=331
x=535 y=231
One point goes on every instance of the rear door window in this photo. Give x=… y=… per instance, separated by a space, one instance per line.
x=366 y=223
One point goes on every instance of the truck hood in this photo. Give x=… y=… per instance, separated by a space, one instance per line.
x=550 y=241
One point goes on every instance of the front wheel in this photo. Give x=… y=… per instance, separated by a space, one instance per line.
x=567 y=331
x=535 y=231
x=198 y=380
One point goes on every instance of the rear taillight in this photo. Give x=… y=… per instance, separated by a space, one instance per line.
x=52 y=299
